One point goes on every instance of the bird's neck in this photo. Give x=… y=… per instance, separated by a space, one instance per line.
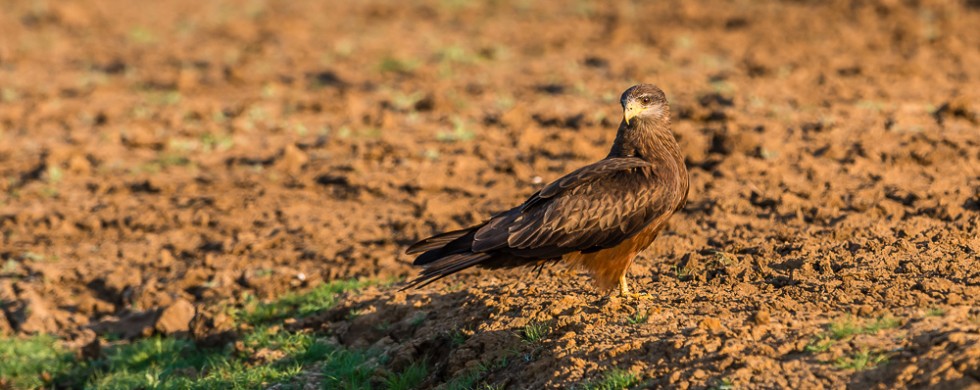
x=649 y=140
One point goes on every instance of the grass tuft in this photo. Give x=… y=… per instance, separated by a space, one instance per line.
x=460 y=133
x=615 y=379
x=640 y=317
x=345 y=369
x=847 y=327
x=843 y=329
x=457 y=337
x=535 y=331
x=882 y=323
x=862 y=360
x=410 y=378
x=471 y=379
x=394 y=65
x=723 y=384
x=820 y=344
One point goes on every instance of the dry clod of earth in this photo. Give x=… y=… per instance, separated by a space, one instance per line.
x=175 y=318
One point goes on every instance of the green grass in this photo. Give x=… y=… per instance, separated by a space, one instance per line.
x=346 y=369
x=723 y=384
x=460 y=133
x=30 y=363
x=410 y=378
x=156 y=363
x=882 y=323
x=820 y=344
x=470 y=380
x=141 y=35
x=178 y=363
x=467 y=381
x=682 y=273
x=535 y=332
x=264 y=355
x=862 y=360
x=55 y=174
x=457 y=337
x=406 y=102
x=163 y=161
x=725 y=259
x=614 y=379
x=848 y=327
x=395 y=65
x=843 y=329
x=317 y=300
x=418 y=319
x=640 y=317
x=221 y=142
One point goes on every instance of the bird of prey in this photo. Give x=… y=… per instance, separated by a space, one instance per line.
x=596 y=218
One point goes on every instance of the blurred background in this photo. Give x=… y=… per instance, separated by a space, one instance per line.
x=205 y=152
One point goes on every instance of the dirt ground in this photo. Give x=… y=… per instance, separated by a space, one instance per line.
x=164 y=153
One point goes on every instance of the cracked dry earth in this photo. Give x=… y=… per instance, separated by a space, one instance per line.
x=170 y=158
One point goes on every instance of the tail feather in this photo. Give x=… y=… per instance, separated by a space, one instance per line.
x=448 y=253
x=447 y=266
x=460 y=245
x=437 y=241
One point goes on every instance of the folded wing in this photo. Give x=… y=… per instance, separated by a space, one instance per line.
x=593 y=208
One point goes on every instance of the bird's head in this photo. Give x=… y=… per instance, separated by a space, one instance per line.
x=644 y=102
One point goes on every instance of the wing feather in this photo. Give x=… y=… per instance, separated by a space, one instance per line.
x=597 y=206
x=583 y=175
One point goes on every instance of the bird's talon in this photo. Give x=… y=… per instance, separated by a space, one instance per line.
x=637 y=296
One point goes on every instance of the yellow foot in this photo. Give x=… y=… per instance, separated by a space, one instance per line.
x=637 y=296
x=624 y=291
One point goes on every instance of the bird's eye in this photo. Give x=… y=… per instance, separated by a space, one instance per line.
x=645 y=100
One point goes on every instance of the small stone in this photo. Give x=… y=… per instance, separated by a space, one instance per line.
x=175 y=318
x=79 y=164
x=761 y=317
x=293 y=159
x=710 y=324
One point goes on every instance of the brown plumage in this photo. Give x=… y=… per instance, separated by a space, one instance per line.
x=596 y=218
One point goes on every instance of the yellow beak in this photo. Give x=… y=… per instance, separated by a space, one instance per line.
x=631 y=111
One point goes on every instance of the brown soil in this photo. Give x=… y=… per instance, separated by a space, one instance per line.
x=163 y=153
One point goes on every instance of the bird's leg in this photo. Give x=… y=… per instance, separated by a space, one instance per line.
x=624 y=287
x=624 y=290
